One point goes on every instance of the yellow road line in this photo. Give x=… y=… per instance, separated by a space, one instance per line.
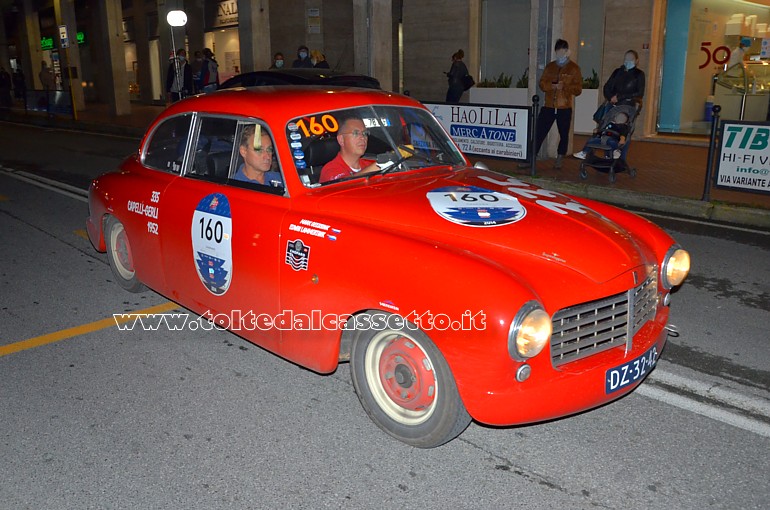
x=3 y=198
x=56 y=336
x=81 y=233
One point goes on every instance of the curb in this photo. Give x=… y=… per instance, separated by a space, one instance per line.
x=695 y=209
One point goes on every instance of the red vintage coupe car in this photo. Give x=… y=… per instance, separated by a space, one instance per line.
x=455 y=292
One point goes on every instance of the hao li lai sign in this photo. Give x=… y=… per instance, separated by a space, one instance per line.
x=486 y=130
x=744 y=156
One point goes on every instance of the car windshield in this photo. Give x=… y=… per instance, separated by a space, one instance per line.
x=358 y=142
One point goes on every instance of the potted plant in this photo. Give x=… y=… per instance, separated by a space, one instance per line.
x=498 y=90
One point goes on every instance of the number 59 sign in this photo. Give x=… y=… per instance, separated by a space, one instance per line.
x=719 y=55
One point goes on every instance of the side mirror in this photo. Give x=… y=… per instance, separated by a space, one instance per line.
x=480 y=165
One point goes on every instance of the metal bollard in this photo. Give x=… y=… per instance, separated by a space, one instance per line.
x=712 y=146
x=532 y=138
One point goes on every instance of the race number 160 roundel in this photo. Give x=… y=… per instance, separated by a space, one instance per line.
x=212 y=228
x=476 y=207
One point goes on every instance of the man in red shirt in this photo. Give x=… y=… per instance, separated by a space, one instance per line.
x=353 y=138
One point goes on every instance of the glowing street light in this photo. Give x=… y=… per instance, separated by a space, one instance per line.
x=176 y=19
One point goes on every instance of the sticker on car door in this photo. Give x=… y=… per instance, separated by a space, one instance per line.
x=211 y=242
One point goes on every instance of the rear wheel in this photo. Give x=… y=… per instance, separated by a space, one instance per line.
x=406 y=387
x=120 y=256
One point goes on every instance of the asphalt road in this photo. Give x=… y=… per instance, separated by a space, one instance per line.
x=94 y=416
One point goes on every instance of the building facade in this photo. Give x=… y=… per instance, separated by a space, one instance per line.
x=118 y=50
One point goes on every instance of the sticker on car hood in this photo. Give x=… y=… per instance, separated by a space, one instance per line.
x=475 y=207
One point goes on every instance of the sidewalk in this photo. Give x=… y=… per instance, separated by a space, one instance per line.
x=670 y=170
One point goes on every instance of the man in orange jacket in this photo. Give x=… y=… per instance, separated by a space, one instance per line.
x=561 y=82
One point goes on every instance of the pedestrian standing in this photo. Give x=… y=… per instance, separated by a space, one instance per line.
x=5 y=88
x=179 y=81
x=456 y=77
x=209 y=71
x=48 y=81
x=277 y=61
x=303 y=58
x=197 y=66
x=625 y=86
x=20 y=86
x=561 y=82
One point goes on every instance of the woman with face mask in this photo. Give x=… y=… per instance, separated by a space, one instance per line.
x=626 y=84
x=277 y=61
x=561 y=81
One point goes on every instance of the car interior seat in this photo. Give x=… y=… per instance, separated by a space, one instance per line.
x=317 y=153
x=218 y=164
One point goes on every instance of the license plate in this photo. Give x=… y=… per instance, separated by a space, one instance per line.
x=631 y=371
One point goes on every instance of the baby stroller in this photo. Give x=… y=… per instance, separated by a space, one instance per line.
x=604 y=151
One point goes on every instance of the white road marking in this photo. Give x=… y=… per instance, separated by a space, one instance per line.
x=49 y=184
x=702 y=222
x=714 y=392
x=753 y=405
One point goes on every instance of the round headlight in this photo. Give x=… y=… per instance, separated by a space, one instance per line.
x=530 y=331
x=675 y=267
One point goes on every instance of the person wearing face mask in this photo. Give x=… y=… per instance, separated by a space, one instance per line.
x=303 y=58
x=626 y=84
x=277 y=61
x=561 y=81
x=179 y=79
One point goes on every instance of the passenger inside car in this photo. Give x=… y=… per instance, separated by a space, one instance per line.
x=256 y=149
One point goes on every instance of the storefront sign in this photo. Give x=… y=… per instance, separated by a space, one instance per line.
x=744 y=157
x=46 y=43
x=227 y=14
x=485 y=130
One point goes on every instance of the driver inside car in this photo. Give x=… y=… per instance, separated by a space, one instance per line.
x=353 y=138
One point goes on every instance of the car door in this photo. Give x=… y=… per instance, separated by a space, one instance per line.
x=140 y=203
x=222 y=258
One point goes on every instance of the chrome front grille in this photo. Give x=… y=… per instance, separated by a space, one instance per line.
x=590 y=328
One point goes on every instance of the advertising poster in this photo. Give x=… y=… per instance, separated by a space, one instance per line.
x=486 y=130
x=743 y=162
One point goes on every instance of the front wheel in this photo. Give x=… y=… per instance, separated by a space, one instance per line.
x=120 y=256
x=405 y=386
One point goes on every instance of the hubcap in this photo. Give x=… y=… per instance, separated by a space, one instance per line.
x=401 y=377
x=121 y=250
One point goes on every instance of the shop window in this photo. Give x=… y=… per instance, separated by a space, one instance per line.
x=712 y=31
x=504 y=39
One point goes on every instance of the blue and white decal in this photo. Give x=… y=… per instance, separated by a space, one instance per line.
x=476 y=207
x=212 y=228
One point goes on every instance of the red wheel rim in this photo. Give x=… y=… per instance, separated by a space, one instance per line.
x=406 y=375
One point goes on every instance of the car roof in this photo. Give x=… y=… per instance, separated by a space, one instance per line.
x=280 y=103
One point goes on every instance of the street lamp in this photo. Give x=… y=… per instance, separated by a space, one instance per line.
x=176 y=19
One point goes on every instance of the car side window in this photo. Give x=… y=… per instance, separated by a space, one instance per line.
x=165 y=149
x=213 y=148
x=256 y=165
